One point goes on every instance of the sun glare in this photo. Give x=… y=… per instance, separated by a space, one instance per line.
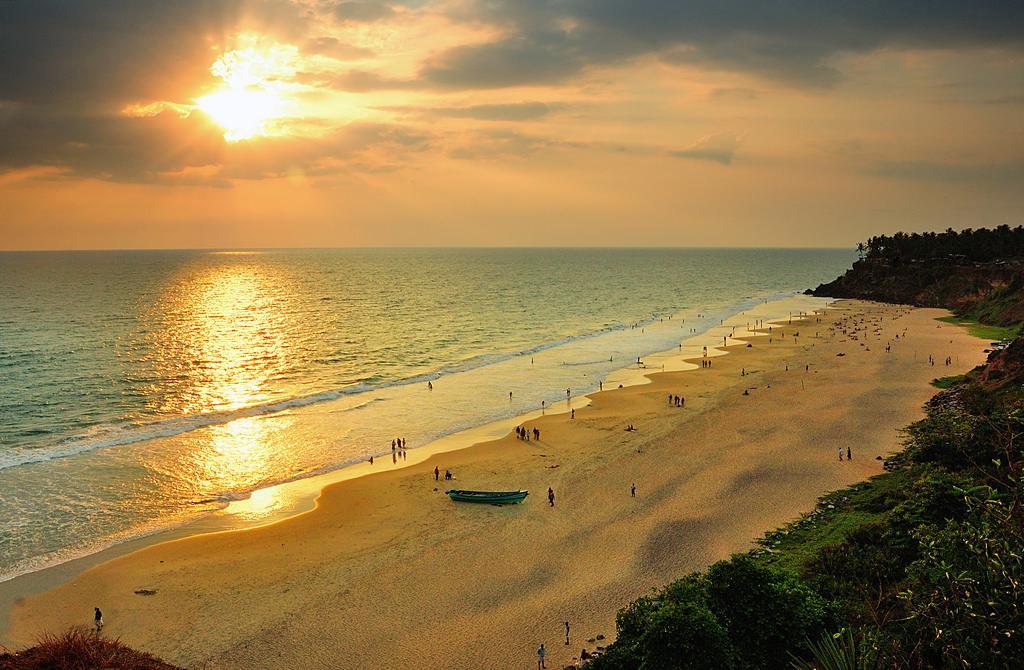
x=254 y=97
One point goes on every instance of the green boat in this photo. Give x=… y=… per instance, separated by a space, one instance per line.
x=490 y=497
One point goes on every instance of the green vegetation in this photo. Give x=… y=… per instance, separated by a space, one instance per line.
x=919 y=567
x=984 y=331
x=948 y=382
x=976 y=274
x=740 y=614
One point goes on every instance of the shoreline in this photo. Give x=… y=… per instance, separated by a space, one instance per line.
x=298 y=495
x=600 y=403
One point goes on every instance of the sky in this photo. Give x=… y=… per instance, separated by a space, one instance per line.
x=313 y=123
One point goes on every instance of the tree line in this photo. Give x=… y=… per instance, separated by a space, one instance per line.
x=979 y=245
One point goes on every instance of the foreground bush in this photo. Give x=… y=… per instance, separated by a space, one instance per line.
x=81 y=650
x=738 y=615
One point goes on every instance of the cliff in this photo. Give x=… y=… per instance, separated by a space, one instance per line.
x=989 y=292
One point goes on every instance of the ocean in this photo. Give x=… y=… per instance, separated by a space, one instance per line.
x=140 y=390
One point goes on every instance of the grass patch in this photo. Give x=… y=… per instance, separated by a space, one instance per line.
x=985 y=332
x=836 y=515
x=948 y=382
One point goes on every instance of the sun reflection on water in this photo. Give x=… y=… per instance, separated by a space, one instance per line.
x=220 y=339
x=239 y=456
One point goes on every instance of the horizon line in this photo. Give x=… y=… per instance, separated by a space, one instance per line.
x=412 y=247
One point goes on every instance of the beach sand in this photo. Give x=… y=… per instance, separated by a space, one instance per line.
x=387 y=572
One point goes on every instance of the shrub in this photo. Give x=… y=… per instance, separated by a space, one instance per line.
x=80 y=650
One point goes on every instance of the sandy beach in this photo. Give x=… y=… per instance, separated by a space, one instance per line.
x=387 y=572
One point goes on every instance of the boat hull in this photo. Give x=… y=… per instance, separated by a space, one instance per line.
x=489 y=497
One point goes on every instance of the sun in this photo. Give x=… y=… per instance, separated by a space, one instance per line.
x=254 y=97
x=242 y=113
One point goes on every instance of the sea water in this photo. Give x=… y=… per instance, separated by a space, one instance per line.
x=140 y=390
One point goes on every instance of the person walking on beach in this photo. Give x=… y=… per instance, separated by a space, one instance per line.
x=840 y=453
x=430 y=386
x=632 y=490
x=437 y=473
x=540 y=657
x=849 y=454
x=551 y=496
x=536 y=434
x=572 y=413
x=98 y=620
x=567 y=633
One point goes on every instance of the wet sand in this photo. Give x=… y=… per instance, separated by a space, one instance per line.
x=387 y=572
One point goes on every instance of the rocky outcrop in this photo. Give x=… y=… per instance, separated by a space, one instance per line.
x=992 y=292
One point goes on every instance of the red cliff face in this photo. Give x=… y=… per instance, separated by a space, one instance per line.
x=993 y=290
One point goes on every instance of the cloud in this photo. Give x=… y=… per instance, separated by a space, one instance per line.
x=335 y=48
x=517 y=111
x=735 y=93
x=500 y=143
x=1005 y=100
x=536 y=59
x=364 y=12
x=796 y=41
x=720 y=148
x=1005 y=172
x=166 y=148
x=102 y=55
x=361 y=81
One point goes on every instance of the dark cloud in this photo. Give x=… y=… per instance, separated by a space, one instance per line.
x=795 y=41
x=108 y=147
x=100 y=55
x=720 y=148
x=535 y=59
x=167 y=148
